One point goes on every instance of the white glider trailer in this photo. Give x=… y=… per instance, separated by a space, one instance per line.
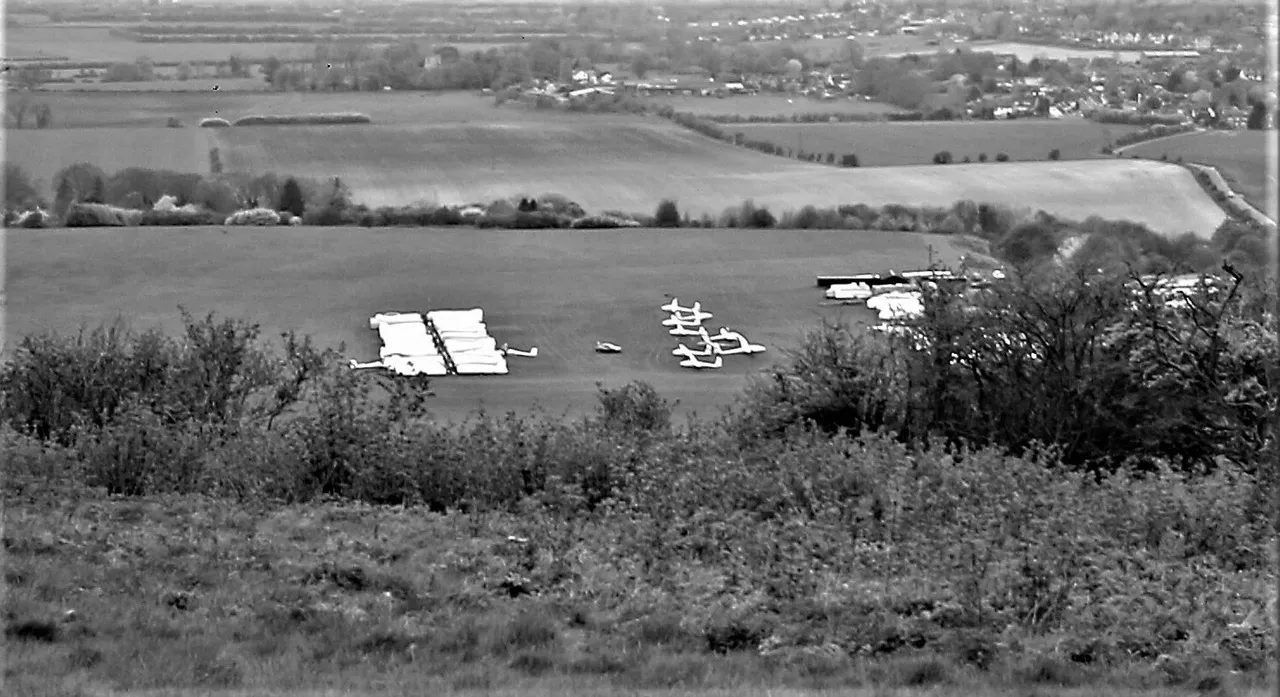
x=443 y=342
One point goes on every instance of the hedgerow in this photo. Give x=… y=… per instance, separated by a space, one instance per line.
x=302 y=119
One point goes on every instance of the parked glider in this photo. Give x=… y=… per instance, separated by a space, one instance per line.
x=674 y=306
x=710 y=349
x=689 y=321
x=606 y=347
x=687 y=330
x=701 y=365
x=743 y=347
x=508 y=351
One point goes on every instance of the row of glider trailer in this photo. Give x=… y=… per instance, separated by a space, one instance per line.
x=896 y=297
x=687 y=321
x=441 y=342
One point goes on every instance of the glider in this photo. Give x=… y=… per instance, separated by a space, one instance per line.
x=743 y=347
x=686 y=330
x=694 y=321
x=508 y=351
x=700 y=365
x=849 y=291
x=606 y=347
x=674 y=307
x=710 y=350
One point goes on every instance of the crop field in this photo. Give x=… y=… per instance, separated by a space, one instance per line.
x=195 y=84
x=625 y=163
x=97 y=44
x=41 y=153
x=914 y=143
x=559 y=290
x=1240 y=156
x=769 y=105
x=153 y=109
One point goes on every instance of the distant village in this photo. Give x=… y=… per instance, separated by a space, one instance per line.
x=1162 y=73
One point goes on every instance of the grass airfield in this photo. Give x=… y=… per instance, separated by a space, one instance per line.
x=559 y=290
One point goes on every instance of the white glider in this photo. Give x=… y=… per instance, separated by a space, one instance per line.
x=674 y=306
x=508 y=351
x=700 y=365
x=606 y=347
x=710 y=349
x=849 y=291
x=743 y=347
x=687 y=330
x=694 y=321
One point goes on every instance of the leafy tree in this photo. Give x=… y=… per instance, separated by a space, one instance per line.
x=44 y=116
x=667 y=214
x=19 y=189
x=849 y=160
x=641 y=64
x=1055 y=154
x=291 y=198
x=98 y=193
x=942 y=158
x=1257 y=117
x=64 y=196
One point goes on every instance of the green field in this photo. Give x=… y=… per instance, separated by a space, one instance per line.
x=770 y=105
x=41 y=153
x=913 y=143
x=153 y=109
x=559 y=290
x=80 y=43
x=167 y=84
x=1240 y=156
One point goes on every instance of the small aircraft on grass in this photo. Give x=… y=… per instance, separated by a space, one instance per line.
x=508 y=351
x=710 y=349
x=675 y=307
x=701 y=365
x=606 y=347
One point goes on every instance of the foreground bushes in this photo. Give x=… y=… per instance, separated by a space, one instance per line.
x=1065 y=461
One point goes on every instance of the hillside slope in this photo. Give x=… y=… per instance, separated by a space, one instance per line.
x=629 y=164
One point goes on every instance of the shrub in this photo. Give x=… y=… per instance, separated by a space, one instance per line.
x=32 y=219
x=602 y=221
x=81 y=214
x=1055 y=154
x=291 y=199
x=179 y=216
x=849 y=160
x=942 y=158
x=303 y=119
x=667 y=214
x=982 y=157
x=1002 y=157
x=174 y=122
x=560 y=205
x=214 y=122
x=253 y=216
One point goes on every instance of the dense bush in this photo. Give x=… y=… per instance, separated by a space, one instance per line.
x=99 y=215
x=1133 y=118
x=302 y=119
x=1156 y=131
x=179 y=217
x=667 y=215
x=1002 y=157
x=942 y=158
x=253 y=216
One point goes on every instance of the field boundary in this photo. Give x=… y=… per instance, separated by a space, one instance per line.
x=1233 y=203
